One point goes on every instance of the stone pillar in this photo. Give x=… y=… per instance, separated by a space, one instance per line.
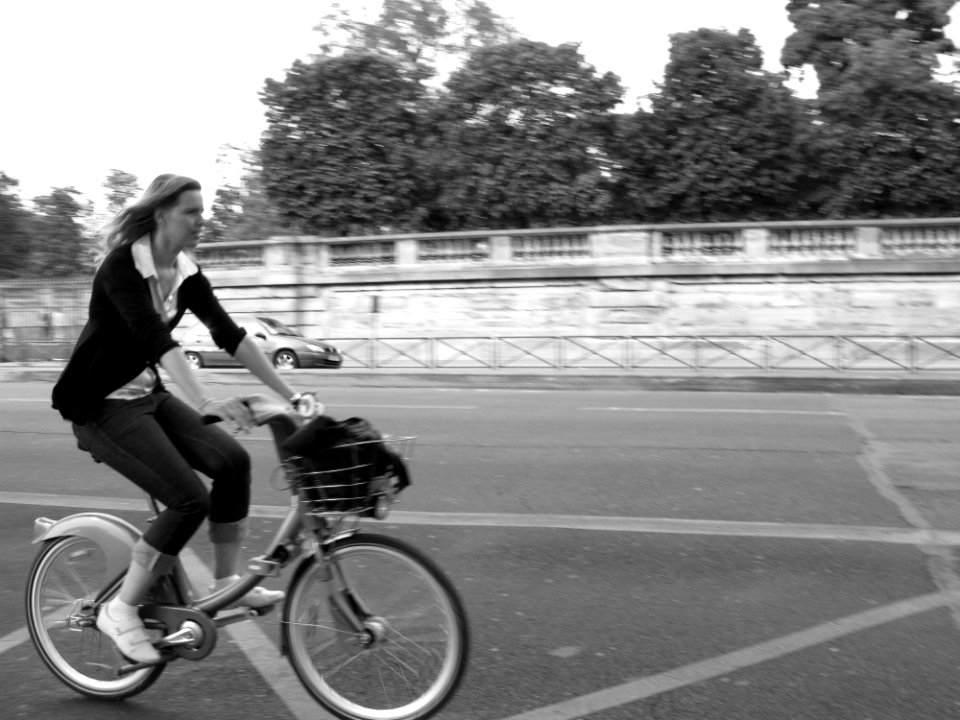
x=755 y=243
x=274 y=256
x=322 y=257
x=501 y=248
x=405 y=251
x=656 y=246
x=868 y=243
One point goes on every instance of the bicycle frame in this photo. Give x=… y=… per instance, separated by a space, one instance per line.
x=371 y=625
x=197 y=620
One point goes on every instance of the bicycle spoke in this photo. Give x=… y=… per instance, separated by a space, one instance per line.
x=412 y=655
x=62 y=584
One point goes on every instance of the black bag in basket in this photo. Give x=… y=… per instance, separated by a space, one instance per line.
x=345 y=454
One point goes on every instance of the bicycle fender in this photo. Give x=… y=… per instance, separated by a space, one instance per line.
x=115 y=536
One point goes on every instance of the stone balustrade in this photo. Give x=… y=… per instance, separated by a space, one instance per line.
x=716 y=244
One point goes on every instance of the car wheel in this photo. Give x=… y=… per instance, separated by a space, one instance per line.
x=286 y=360
x=194 y=360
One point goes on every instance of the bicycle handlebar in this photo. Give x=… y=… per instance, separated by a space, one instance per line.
x=265 y=409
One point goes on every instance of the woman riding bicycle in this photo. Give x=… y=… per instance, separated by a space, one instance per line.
x=111 y=392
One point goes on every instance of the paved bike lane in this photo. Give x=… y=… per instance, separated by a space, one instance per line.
x=616 y=624
x=740 y=621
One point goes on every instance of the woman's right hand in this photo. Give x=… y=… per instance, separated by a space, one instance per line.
x=307 y=405
x=233 y=410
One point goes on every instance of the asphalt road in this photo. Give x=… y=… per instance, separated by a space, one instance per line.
x=623 y=554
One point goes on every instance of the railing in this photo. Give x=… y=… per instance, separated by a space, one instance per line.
x=552 y=246
x=687 y=244
x=907 y=241
x=775 y=242
x=805 y=242
x=658 y=352
x=695 y=353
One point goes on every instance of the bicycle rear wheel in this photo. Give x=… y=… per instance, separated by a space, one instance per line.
x=61 y=595
x=411 y=652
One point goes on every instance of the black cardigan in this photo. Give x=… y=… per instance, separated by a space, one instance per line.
x=125 y=334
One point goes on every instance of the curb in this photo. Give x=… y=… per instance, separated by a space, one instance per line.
x=838 y=383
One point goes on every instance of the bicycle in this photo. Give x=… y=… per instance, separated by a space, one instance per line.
x=372 y=627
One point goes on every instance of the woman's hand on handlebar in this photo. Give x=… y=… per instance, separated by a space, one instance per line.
x=234 y=410
x=307 y=405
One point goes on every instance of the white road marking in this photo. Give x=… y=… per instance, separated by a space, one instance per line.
x=261 y=652
x=744 y=411
x=12 y=640
x=408 y=407
x=670 y=526
x=674 y=526
x=651 y=685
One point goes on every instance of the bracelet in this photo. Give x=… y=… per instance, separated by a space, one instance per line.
x=206 y=402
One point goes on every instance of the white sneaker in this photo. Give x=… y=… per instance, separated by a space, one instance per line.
x=128 y=632
x=259 y=597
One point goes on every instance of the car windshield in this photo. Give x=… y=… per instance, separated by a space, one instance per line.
x=278 y=328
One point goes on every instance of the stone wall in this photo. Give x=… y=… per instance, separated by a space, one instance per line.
x=884 y=277
x=849 y=277
x=722 y=304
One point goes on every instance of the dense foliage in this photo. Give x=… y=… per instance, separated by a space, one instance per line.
x=886 y=138
x=370 y=137
x=722 y=140
x=519 y=138
x=526 y=135
x=341 y=152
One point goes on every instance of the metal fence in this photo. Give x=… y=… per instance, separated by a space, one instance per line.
x=40 y=318
x=658 y=352
x=695 y=353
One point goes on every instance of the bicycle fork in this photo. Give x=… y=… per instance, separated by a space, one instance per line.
x=347 y=607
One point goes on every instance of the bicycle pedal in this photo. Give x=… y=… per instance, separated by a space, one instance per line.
x=133 y=667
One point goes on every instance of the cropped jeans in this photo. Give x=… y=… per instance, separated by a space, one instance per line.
x=159 y=442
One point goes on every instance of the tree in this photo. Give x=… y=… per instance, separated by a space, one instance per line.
x=14 y=230
x=121 y=188
x=721 y=142
x=522 y=130
x=340 y=154
x=886 y=137
x=244 y=211
x=59 y=247
x=829 y=33
x=418 y=34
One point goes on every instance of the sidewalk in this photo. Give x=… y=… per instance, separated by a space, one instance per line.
x=720 y=380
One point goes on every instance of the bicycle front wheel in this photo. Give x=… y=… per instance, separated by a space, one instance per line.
x=62 y=589
x=383 y=637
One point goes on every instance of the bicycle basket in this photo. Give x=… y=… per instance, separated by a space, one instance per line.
x=347 y=467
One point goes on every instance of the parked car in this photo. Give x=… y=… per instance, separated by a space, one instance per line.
x=284 y=346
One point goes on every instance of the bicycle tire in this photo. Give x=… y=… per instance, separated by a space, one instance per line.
x=67 y=574
x=419 y=654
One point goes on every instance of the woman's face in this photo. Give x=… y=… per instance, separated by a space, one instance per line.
x=182 y=222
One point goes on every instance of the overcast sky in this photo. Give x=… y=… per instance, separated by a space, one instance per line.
x=90 y=85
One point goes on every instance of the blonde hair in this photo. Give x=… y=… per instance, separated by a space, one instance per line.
x=135 y=221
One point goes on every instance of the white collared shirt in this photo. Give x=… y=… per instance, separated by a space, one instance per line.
x=144 y=383
x=143 y=261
